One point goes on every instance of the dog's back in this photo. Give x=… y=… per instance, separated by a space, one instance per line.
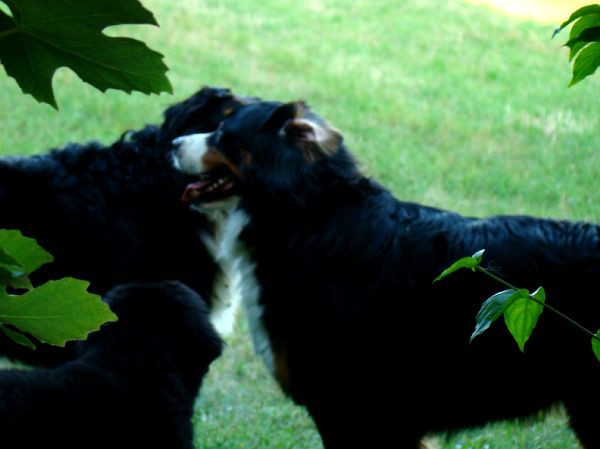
x=382 y=255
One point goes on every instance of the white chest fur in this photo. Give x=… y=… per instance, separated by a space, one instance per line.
x=236 y=282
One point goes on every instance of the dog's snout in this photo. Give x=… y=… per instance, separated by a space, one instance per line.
x=176 y=152
x=188 y=152
x=177 y=149
x=176 y=144
x=178 y=141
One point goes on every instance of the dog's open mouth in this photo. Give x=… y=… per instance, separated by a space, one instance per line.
x=212 y=186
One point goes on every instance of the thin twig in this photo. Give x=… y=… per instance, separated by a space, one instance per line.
x=549 y=307
x=8 y=32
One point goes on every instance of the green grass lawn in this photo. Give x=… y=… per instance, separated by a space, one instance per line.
x=446 y=103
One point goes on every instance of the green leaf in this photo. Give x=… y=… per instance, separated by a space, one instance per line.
x=589 y=21
x=29 y=255
x=5 y=275
x=495 y=306
x=56 y=312
x=8 y=276
x=20 y=282
x=8 y=262
x=471 y=262
x=576 y=48
x=581 y=12
x=586 y=63
x=17 y=337
x=42 y=37
x=591 y=34
x=596 y=345
x=583 y=37
x=478 y=256
x=521 y=317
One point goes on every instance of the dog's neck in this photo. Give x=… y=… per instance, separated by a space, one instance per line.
x=228 y=252
x=236 y=282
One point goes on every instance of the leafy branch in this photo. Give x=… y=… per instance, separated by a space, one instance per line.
x=53 y=313
x=521 y=309
x=584 y=41
x=37 y=38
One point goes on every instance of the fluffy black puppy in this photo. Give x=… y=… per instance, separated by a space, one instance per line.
x=113 y=214
x=132 y=384
x=357 y=331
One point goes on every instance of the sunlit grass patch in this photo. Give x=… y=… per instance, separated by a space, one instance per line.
x=544 y=11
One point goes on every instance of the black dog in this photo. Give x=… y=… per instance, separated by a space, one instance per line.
x=357 y=331
x=113 y=215
x=132 y=384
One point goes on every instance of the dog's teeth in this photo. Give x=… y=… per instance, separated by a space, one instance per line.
x=216 y=184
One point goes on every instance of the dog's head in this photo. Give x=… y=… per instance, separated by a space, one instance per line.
x=280 y=150
x=165 y=317
x=201 y=113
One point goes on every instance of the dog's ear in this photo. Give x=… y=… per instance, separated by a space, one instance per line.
x=311 y=134
x=304 y=130
x=314 y=137
x=279 y=117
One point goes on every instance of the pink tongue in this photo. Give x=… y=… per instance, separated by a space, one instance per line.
x=191 y=191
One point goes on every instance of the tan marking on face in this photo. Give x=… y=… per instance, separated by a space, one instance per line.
x=212 y=158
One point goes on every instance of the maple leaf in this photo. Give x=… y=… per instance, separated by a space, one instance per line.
x=42 y=36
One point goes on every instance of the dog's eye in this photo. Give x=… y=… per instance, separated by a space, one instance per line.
x=227 y=142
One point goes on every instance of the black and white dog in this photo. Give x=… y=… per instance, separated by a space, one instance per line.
x=339 y=274
x=112 y=214
x=132 y=384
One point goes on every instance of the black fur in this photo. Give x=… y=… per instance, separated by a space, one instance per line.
x=378 y=354
x=113 y=214
x=132 y=384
